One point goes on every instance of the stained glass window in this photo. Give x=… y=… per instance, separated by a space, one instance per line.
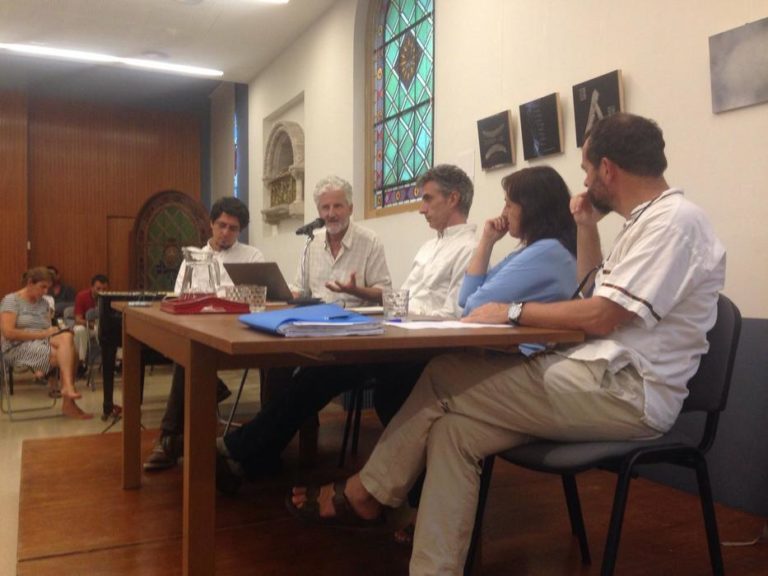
x=402 y=107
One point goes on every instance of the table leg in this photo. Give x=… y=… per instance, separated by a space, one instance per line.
x=199 y=518
x=131 y=413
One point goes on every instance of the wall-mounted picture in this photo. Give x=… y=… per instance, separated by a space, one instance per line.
x=737 y=67
x=541 y=127
x=594 y=99
x=494 y=134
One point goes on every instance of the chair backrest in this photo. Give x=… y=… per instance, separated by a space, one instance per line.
x=710 y=385
x=69 y=316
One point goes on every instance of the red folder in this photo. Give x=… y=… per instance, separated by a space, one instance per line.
x=204 y=305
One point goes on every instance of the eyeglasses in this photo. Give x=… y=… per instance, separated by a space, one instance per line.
x=224 y=226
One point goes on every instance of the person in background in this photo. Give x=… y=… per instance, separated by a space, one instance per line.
x=63 y=294
x=229 y=217
x=85 y=305
x=654 y=299
x=29 y=340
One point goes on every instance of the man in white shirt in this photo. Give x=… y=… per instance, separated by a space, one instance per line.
x=229 y=216
x=434 y=281
x=654 y=300
x=346 y=261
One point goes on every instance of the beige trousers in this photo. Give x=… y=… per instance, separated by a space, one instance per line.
x=468 y=406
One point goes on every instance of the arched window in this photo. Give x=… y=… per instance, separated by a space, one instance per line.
x=401 y=103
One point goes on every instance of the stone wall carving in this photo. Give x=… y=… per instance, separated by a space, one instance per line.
x=284 y=173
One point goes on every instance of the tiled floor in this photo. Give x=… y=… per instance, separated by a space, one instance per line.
x=12 y=434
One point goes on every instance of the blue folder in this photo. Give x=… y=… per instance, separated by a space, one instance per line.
x=328 y=315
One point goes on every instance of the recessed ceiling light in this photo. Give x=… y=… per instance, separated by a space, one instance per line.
x=78 y=55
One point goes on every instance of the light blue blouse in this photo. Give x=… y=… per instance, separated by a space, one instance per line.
x=544 y=271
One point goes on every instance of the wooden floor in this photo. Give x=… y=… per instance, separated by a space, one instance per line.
x=75 y=519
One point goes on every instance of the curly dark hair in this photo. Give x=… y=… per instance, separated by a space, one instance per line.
x=232 y=206
x=634 y=143
x=544 y=202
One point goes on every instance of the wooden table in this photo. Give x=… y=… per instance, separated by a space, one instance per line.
x=204 y=344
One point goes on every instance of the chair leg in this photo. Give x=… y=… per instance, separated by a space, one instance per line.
x=477 y=529
x=237 y=401
x=356 y=391
x=356 y=428
x=710 y=521
x=617 y=518
x=574 y=514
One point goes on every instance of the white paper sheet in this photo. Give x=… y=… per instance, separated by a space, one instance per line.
x=444 y=325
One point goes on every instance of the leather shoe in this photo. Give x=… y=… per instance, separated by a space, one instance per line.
x=227 y=480
x=166 y=453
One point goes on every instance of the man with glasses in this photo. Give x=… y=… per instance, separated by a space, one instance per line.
x=229 y=216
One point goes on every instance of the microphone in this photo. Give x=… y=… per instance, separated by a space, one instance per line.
x=308 y=229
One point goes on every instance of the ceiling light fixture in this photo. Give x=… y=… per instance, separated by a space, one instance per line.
x=45 y=51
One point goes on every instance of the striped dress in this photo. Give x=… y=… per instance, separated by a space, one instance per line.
x=35 y=354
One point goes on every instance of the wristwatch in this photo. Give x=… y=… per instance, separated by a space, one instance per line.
x=513 y=314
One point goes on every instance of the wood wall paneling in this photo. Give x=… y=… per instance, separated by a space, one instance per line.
x=118 y=252
x=89 y=163
x=13 y=190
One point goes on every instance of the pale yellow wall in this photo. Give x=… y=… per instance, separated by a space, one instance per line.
x=496 y=54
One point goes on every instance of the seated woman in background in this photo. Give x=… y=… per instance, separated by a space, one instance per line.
x=30 y=340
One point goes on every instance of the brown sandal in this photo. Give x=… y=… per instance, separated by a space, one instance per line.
x=345 y=516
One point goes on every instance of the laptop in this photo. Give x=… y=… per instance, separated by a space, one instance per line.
x=264 y=274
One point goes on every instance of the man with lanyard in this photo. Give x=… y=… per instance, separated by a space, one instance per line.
x=229 y=216
x=655 y=298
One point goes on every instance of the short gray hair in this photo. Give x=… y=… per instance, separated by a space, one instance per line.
x=450 y=178
x=332 y=183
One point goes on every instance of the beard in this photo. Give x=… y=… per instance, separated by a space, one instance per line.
x=598 y=197
x=334 y=228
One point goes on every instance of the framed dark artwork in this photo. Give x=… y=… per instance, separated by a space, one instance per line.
x=738 y=74
x=594 y=99
x=494 y=134
x=541 y=127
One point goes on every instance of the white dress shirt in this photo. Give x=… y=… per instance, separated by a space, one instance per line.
x=361 y=252
x=438 y=271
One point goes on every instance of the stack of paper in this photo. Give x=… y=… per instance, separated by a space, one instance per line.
x=311 y=321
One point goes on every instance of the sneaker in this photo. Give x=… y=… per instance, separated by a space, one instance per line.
x=166 y=453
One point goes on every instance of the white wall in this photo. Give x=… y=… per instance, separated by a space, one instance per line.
x=496 y=54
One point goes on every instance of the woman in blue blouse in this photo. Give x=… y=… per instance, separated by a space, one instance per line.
x=536 y=211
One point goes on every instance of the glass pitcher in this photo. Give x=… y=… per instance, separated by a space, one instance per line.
x=201 y=273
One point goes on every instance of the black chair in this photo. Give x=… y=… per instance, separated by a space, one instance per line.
x=708 y=393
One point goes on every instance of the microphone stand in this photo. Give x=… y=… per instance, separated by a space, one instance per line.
x=306 y=292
